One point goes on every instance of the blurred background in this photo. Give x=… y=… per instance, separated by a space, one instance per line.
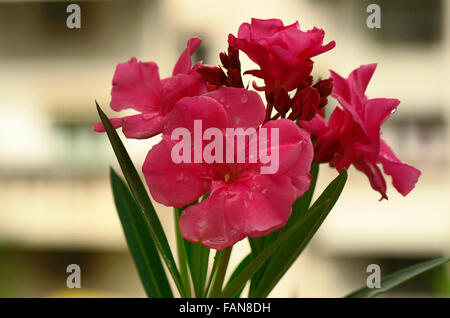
x=56 y=205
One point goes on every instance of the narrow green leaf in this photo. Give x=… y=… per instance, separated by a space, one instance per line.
x=140 y=243
x=299 y=209
x=236 y=285
x=197 y=256
x=199 y=267
x=212 y=275
x=182 y=257
x=398 y=278
x=302 y=204
x=294 y=245
x=216 y=289
x=140 y=195
x=243 y=264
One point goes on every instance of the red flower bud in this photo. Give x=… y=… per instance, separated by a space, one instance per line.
x=305 y=104
x=212 y=74
x=224 y=60
x=282 y=102
x=324 y=87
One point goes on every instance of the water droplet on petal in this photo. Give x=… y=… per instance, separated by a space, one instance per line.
x=244 y=98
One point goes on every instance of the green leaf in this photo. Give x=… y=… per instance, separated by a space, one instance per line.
x=139 y=241
x=236 y=285
x=243 y=264
x=140 y=195
x=219 y=277
x=398 y=278
x=199 y=258
x=182 y=257
x=214 y=268
x=301 y=205
x=295 y=244
x=299 y=209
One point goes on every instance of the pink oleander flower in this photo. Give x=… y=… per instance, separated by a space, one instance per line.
x=283 y=53
x=242 y=201
x=137 y=85
x=352 y=134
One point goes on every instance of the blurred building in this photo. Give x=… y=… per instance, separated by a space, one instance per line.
x=56 y=203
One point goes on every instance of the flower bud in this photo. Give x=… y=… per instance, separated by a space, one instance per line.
x=324 y=87
x=282 y=101
x=212 y=74
x=305 y=104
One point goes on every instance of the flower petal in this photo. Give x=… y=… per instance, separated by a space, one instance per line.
x=136 y=85
x=188 y=109
x=376 y=111
x=116 y=122
x=173 y=184
x=295 y=150
x=178 y=86
x=360 y=78
x=244 y=108
x=404 y=176
x=259 y=204
x=184 y=63
x=205 y=222
x=374 y=174
x=142 y=126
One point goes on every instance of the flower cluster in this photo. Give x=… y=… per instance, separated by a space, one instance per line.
x=228 y=195
x=352 y=134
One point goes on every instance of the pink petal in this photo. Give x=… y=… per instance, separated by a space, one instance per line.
x=376 y=111
x=206 y=223
x=184 y=63
x=294 y=147
x=244 y=108
x=260 y=204
x=142 y=126
x=374 y=174
x=341 y=89
x=173 y=184
x=360 y=78
x=116 y=122
x=262 y=28
x=301 y=184
x=178 y=86
x=188 y=109
x=404 y=176
x=316 y=126
x=136 y=85
x=343 y=93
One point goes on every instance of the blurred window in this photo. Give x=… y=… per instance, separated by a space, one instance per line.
x=77 y=146
x=408 y=21
x=39 y=29
x=418 y=137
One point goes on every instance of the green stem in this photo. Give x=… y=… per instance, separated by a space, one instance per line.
x=216 y=289
x=182 y=258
